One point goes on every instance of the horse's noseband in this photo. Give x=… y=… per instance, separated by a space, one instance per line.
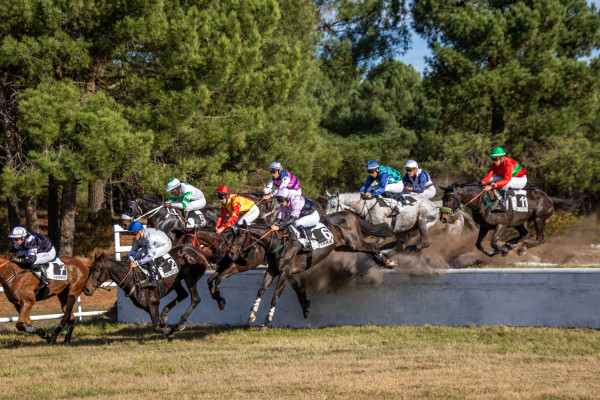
x=455 y=201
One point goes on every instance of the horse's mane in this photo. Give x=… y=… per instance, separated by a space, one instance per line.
x=150 y=197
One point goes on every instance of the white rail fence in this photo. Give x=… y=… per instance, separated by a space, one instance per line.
x=117 y=230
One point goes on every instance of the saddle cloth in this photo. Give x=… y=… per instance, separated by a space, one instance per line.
x=401 y=200
x=319 y=235
x=195 y=219
x=518 y=200
x=55 y=270
x=165 y=265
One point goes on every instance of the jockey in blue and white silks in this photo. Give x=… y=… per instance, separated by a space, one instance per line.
x=417 y=182
x=32 y=249
x=148 y=244
x=281 y=179
x=300 y=211
x=387 y=178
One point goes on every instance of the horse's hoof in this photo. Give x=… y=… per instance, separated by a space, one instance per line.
x=264 y=328
x=521 y=252
x=170 y=337
x=221 y=304
x=251 y=319
x=306 y=314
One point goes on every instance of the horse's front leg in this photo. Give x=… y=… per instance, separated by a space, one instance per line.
x=268 y=278
x=498 y=231
x=278 y=290
x=480 y=236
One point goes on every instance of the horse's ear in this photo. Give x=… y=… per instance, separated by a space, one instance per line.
x=337 y=194
x=245 y=225
x=444 y=188
x=328 y=194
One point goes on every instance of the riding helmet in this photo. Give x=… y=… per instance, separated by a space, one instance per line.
x=135 y=226
x=222 y=191
x=497 y=152
x=411 y=164
x=17 y=232
x=275 y=166
x=282 y=193
x=372 y=165
x=173 y=184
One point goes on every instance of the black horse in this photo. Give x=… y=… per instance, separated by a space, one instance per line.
x=541 y=208
x=191 y=263
x=284 y=259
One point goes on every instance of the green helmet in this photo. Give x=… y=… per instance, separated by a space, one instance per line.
x=497 y=152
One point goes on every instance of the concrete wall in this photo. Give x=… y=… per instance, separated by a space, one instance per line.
x=513 y=297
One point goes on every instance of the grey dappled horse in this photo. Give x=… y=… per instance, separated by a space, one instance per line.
x=418 y=216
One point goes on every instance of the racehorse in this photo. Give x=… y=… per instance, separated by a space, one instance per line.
x=284 y=259
x=541 y=208
x=191 y=263
x=418 y=216
x=19 y=286
x=166 y=219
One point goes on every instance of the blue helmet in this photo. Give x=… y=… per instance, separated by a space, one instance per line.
x=372 y=165
x=134 y=227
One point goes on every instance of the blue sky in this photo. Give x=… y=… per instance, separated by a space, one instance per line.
x=419 y=50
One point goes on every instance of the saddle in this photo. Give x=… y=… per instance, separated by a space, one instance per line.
x=55 y=270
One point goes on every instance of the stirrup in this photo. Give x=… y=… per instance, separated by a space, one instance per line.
x=394 y=212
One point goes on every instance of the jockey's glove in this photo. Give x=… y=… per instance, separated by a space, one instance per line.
x=18 y=260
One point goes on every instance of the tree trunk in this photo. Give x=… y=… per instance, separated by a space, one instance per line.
x=13 y=212
x=67 y=219
x=53 y=213
x=29 y=204
x=96 y=195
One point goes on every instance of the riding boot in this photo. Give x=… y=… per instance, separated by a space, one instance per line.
x=38 y=271
x=152 y=282
x=501 y=204
x=308 y=245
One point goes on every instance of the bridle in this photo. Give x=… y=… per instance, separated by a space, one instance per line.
x=14 y=273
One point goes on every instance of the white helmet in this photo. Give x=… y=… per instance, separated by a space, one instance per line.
x=275 y=166
x=283 y=192
x=411 y=164
x=173 y=184
x=17 y=232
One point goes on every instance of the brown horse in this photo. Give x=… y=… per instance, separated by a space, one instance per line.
x=192 y=265
x=284 y=259
x=541 y=208
x=19 y=286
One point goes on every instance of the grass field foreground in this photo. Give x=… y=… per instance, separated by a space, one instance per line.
x=108 y=360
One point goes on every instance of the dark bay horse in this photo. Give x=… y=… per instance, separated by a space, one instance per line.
x=19 y=286
x=541 y=208
x=284 y=259
x=192 y=264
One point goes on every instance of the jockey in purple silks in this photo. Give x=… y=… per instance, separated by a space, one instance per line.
x=301 y=211
x=281 y=179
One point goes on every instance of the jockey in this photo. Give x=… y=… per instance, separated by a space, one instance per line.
x=32 y=249
x=504 y=173
x=388 y=179
x=239 y=208
x=417 y=182
x=301 y=211
x=184 y=197
x=148 y=244
x=281 y=179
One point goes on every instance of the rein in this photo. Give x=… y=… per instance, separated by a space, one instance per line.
x=150 y=213
x=10 y=278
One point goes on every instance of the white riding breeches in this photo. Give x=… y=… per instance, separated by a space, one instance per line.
x=191 y=206
x=428 y=193
x=397 y=187
x=308 y=221
x=250 y=216
x=40 y=258
x=515 y=183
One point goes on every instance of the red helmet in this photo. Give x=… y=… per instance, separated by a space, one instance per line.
x=222 y=191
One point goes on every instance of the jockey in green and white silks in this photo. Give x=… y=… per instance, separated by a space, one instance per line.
x=417 y=182
x=184 y=196
x=387 y=178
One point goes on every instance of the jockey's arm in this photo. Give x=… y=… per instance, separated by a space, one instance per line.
x=382 y=184
x=368 y=183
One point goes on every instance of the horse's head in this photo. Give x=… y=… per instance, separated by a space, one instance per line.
x=450 y=203
x=98 y=274
x=333 y=203
x=239 y=242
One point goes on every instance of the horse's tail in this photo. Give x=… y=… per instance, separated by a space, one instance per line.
x=371 y=229
x=577 y=204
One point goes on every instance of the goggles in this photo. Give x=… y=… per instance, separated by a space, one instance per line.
x=495 y=158
x=409 y=169
x=273 y=170
x=370 y=171
x=281 y=199
x=221 y=195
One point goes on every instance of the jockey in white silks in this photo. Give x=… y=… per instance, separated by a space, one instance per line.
x=148 y=245
x=185 y=197
x=281 y=179
x=417 y=182
x=300 y=211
